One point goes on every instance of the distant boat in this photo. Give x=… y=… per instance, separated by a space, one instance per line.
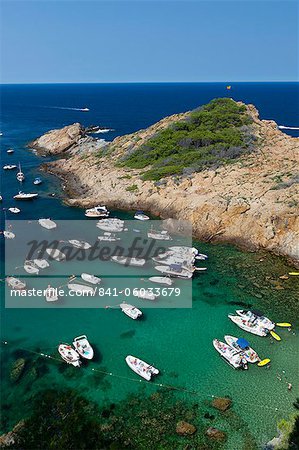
x=9 y=167
x=14 y=210
x=109 y=237
x=47 y=223
x=77 y=287
x=97 y=211
x=15 y=283
x=41 y=263
x=130 y=310
x=31 y=268
x=125 y=260
x=142 y=368
x=139 y=215
x=145 y=294
x=161 y=280
x=10 y=151
x=22 y=196
x=56 y=254
x=90 y=278
x=9 y=234
x=159 y=235
x=51 y=294
x=80 y=244
x=37 y=181
x=84 y=109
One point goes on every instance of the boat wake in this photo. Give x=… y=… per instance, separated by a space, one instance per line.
x=68 y=108
x=282 y=127
x=102 y=130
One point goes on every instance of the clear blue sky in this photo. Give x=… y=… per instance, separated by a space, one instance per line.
x=127 y=41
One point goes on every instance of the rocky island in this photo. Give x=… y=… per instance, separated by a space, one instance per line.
x=233 y=175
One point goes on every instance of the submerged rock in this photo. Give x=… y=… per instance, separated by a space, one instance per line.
x=185 y=429
x=215 y=434
x=17 y=369
x=222 y=403
x=11 y=438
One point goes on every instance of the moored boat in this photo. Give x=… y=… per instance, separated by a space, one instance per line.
x=97 y=211
x=90 y=278
x=175 y=270
x=14 y=210
x=9 y=234
x=108 y=237
x=83 y=347
x=9 y=167
x=161 y=280
x=255 y=315
x=41 y=263
x=79 y=244
x=80 y=288
x=142 y=368
x=145 y=294
x=56 y=254
x=243 y=346
x=126 y=261
x=37 y=181
x=130 y=310
x=51 y=294
x=234 y=357
x=30 y=267
x=159 y=235
x=22 y=196
x=47 y=223
x=111 y=225
x=69 y=355
x=246 y=325
x=15 y=283
x=139 y=215
x=10 y=151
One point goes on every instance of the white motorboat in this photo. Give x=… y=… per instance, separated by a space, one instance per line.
x=201 y=257
x=1 y=198
x=20 y=174
x=37 y=181
x=80 y=288
x=83 y=347
x=47 y=223
x=56 y=254
x=9 y=234
x=9 y=167
x=131 y=311
x=97 y=211
x=14 y=210
x=108 y=237
x=145 y=294
x=112 y=225
x=139 y=215
x=30 y=267
x=90 y=278
x=126 y=261
x=255 y=315
x=41 y=263
x=10 y=151
x=248 y=326
x=234 y=357
x=84 y=109
x=159 y=235
x=167 y=260
x=69 y=355
x=161 y=280
x=22 y=196
x=175 y=270
x=242 y=345
x=51 y=294
x=184 y=249
x=142 y=368
x=15 y=283
x=79 y=244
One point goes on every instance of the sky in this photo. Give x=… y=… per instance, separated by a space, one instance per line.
x=65 y=41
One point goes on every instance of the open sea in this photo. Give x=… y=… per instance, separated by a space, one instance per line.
x=177 y=341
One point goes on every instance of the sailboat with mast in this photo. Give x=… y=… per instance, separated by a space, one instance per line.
x=20 y=174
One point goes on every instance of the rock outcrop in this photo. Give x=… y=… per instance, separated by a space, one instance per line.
x=252 y=202
x=216 y=435
x=11 y=438
x=185 y=429
x=221 y=403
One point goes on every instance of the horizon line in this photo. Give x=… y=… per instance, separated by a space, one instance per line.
x=144 y=82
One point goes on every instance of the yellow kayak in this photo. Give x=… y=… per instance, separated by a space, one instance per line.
x=293 y=273
x=284 y=324
x=275 y=336
x=264 y=362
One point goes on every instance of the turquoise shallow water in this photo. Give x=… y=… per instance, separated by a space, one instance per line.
x=178 y=342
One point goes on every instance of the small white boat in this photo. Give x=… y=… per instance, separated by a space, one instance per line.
x=124 y=260
x=51 y=294
x=1 y=198
x=77 y=287
x=201 y=257
x=97 y=211
x=255 y=315
x=242 y=345
x=159 y=235
x=9 y=167
x=145 y=294
x=175 y=270
x=142 y=368
x=90 y=278
x=108 y=237
x=184 y=249
x=22 y=196
x=47 y=223
x=31 y=268
x=131 y=311
x=248 y=326
x=37 y=181
x=56 y=254
x=161 y=280
x=139 y=215
x=14 y=210
x=79 y=244
x=111 y=225
x=69 y=355
x=20 y=176
x=83 y=347
x=234 y=357
x=10 y=151
x=41 y=263
x=84 y=109
x=9 y=234
x=15 y=283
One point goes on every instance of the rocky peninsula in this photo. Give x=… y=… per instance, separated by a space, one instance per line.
x=251 y=200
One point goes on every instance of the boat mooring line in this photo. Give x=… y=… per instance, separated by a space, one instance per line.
x=165 y=386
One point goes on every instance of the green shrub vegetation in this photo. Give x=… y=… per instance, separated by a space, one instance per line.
x=132 y=188
x=211 y=136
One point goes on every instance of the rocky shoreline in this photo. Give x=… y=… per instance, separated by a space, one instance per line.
x=252 y=202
